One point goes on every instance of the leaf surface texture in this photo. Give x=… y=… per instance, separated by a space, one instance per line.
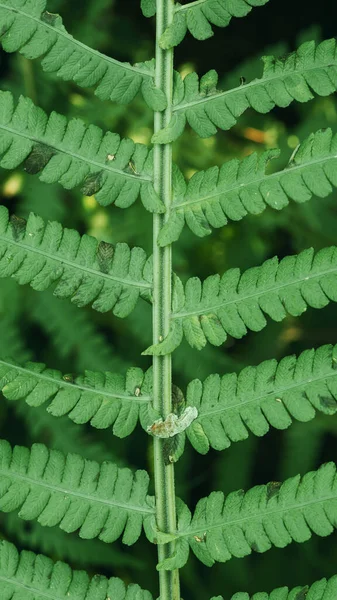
x=235 y=303
x=30 y=576
x=213 y=197
x=27 y=27
x=324 y=589
x=87 y=271
x=198 y=18
x=103 y=399
x=73 y=154
x=102 y=501
x=273 y=394
x=312 y=69
x=269 y=515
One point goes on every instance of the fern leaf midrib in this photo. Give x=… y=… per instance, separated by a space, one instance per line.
x=38 y=593
x=63 y=383
x=75 y=265
x=215 y=307
x=241 y=403
x=59 y=149
x=190 y=5
x=88 y=49
x=259 y=514
x=240 y=186
x=242 y=87
x=76 y=494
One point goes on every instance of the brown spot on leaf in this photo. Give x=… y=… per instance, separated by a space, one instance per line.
x=105 y=252
x=18 y=227
x=49 y=18
x=92 y=184
x=302 y=594
x=273 y=489
x=38 y=158
x=328 y=402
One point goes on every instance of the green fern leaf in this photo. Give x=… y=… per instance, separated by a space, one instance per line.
x=104 y=399
x=312 y=68
x=267 y=515
x=234 y=303
x=198 y=16
x=271 y=394
x=325 y=589
x=27 y=27
x=26 y=575
x=112 y=277
x=101 y=501
x=73 y=154
x=64 y=546
x=243 y=187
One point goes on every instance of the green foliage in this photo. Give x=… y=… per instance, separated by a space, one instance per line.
x=320 y=590
x=197 y=18
x=73 y=487
x=206 y=109
x=73 y=154
x=112 y=277
x=239 y=188
x=57 y=543
x=269 y=515
x=28 y=28
x=26 y=574
x=271 y=394
x=104 y=399
x=234 y=303
x=98 y=500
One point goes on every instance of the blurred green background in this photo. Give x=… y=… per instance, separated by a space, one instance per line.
x=39 y=327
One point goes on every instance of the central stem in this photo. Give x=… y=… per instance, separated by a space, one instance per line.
x=162 y=286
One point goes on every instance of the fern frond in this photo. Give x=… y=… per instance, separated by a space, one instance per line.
x=311 y=68
x=27 y=27
x=34 y=576
x=112 y=277
x=64 y=546
x=103 y=399
x=242 y=187
x=269 y=515
x=324 y=589
x=77 y=494
x=73 y=154
x=198 y=16
x=271 y=394
x=232 y=304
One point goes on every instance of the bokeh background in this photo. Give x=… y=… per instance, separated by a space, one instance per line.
x=39 y=327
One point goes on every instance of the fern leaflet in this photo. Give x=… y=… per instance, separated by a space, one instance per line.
x=27 y=27
x=197 y=17
x=243 y=187
x=73 y=154
x=27 y=575
x=312 y=68
x=64 y=546
x=233 y=303
x=325 y=589
x=104 y=399
x=271 y=394
x=269 y=515
x=112 y=277
x=77 y=494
